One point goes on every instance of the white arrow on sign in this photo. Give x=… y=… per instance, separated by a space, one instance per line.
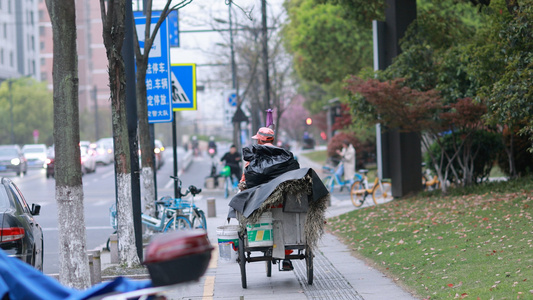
x=178 y=93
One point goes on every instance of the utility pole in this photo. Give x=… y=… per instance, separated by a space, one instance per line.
x=9 y=83
x=234 y=83
x=96 y=126
x=265 y=53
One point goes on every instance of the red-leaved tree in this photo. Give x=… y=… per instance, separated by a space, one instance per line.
x=397 y=106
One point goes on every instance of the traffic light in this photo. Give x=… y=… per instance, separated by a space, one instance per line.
x=308 y=121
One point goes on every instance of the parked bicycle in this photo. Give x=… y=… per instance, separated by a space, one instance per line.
x=429 y=184
x=185 y=208
x=169 y=219
x=335 y=178
x=380 y=191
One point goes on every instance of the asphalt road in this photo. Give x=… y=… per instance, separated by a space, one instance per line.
x=99 y=195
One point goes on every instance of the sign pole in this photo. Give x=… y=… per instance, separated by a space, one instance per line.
x=175 y=148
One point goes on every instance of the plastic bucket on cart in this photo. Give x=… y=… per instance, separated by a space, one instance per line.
x=260 y=234
x=228 y=242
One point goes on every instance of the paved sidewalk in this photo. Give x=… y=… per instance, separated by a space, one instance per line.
x=337 y=274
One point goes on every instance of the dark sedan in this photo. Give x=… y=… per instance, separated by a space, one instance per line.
x=12 y=160
x=20 y=235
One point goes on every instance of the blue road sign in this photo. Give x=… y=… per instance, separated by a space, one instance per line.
x=173 y=25
x=183 y=87
x=232 y=100
x=158 y=82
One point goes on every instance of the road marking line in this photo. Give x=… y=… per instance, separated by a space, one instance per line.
x=209 y=288
x=102 y=202
x=171 y=181
x=112 y=172
x=214 y=258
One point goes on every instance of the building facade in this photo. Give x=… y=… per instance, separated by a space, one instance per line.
x=19 y=34
x=92 y=60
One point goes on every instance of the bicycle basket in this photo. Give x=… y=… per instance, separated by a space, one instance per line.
x=113 y=216
x=226 y=171
x=181 y=204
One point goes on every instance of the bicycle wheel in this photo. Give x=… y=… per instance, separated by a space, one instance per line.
x=328 y=182
x=227 y=183
x=309 y=265
x=199 y=221
x=357 y=193
x=382 y=193
x=180 y=223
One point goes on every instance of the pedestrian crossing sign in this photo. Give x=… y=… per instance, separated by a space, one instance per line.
x=183 y=77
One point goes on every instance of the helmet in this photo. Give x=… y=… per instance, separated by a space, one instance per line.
x=264 y=134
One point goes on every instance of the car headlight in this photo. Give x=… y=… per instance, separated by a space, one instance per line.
x=15 y=161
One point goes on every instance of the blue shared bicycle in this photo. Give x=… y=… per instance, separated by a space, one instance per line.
x=185 y=208
x=335 y=177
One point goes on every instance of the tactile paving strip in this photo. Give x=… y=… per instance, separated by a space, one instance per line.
x=328 y=283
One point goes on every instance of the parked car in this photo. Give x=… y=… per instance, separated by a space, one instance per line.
x=104 y=151
x=12 y=160
x=50 y=160
x=35 y=155
x=88 y=159
x=20 y=235
x=159 y=154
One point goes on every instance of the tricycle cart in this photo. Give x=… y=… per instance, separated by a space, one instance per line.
x=282 y=219
x=288 y=241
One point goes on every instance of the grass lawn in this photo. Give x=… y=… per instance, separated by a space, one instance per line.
x=475 y=242
x=317 y=156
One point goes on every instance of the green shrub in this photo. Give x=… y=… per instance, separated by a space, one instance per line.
x=489 y=144
x=523 y=158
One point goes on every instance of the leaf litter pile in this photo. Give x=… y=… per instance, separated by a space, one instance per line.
x=476 y=246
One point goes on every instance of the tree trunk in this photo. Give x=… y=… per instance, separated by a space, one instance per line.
x=73 y=262
x=145 y=140
x=113 y=35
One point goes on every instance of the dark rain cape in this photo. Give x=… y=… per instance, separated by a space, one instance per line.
x=248 y=205
x=266 y=163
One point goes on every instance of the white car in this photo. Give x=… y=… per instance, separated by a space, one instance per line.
x=88 y=160
x=35 y=155
x=104 y=151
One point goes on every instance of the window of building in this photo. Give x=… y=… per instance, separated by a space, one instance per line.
x=5 y=30
x=1 y=55
x=32 y=43
x=43 y=61
x=43 y=76
x=11 y=59
x=9 y=6
x=41 y=30
x=42 y=45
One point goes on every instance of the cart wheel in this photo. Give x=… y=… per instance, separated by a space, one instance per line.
x=309 y=265
x=242 y=260
x=268 y=264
